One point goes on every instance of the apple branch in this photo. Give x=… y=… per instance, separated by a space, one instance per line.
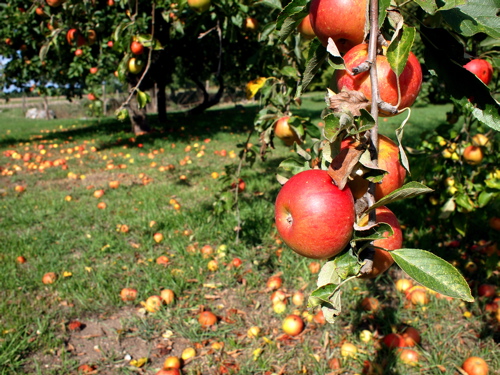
x=369 y=253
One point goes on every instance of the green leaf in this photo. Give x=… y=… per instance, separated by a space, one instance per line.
x=409 y=190
x=377 y=232
x=290 y=17
x=433 y=272
x=460 y=224
x=316 y=57
x=335 y=123
x=399 y=49
x=485 y=197
x=276 y=4
x=475 y=16
x=465 y=202
x=289 y=71
x=428 y=5
x=382 y=11
x=294 y=165
x=321 y=295
x=339 y=269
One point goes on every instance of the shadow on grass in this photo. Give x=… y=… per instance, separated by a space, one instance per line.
x=179 y=126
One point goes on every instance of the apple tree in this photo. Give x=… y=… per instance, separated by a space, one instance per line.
x=70 y=48
x=377 y=75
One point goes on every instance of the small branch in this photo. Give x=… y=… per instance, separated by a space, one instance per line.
x=363 y=67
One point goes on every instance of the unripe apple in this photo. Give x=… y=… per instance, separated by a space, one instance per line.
x=293 y=325
x=481 y=68
x=279 y=307
x=199 y=6
x=348 y=350
x=313 y=216
x=342 y=20
x=410 y=79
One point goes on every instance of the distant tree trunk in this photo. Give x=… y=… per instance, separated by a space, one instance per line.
x=161 y=102
x=138 y=116
x=208 y=100
x=46 y=107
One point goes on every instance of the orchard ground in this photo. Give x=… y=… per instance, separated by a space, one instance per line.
x=55 y=224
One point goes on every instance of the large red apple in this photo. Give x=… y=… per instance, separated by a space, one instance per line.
x=342 y=20
x=410 y=79
x=285 y=132
x=481 y=68
x=305 y=28
x=382 y=260
x=388 y=160
x=313 y=216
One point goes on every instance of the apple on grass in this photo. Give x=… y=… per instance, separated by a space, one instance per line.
x=342 y=20
x=207 y=318
x=410 y=80
x=475 y=366
x=293 y=325
x=313 y=216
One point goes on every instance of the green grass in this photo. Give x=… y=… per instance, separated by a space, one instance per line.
x=94 y=261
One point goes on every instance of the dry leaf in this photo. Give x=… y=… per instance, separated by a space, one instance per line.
x=344 y=163
x=347 y=101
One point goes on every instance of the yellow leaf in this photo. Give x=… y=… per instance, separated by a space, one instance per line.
x=139 y=362
x=254 y=86
x=256 y=353
x=67 y=274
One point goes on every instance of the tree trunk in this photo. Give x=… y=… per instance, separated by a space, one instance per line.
x=161 y=103
x=208 y=101
x=138 y=118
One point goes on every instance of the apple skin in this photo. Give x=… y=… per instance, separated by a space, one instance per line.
x=410 y=79
x=313 y=216
x=293 y=325
x=388 y=160
x=199 y=6
x=473 y=155
x=382 y=260
x=285 y=132
x=136 y=48
x=481 y=68
x=342 y=20
x=305 y=28
x=394 y=340
x=475 y=366
x=74 y=34
x=135 y=66
x=207 y=318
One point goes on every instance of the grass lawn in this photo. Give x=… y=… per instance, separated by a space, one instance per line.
x=178 y=184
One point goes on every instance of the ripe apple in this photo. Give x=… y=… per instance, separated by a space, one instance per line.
x=253 y=331
x=298 y=298
x=319 y=317
x=207 y=318
x=382 y=259
x=486 y=290
x=418 y=297
x=114 y=184
x=236 y=262
x=393 y=340
x=207 y=251
x=480 y=140
x=40 y=11
x=481 y=68
x=388 y=160
x=162 y=260
x=342 y=20
x=74 y=35
x=128 y=294
x=54 y=3
x=313 y=216
x=278 y=296
x=91 y=97
x=110 y=44
x=285 y=132
x=403 y=284
x=411 y=336
x=213 y=265
x=292 y=325
x=85 y=369
x=136 y=48
x=305 y=28
x=98 y=193
x=348 y=350
x=158 y=237
x=241 y=185
x=494 y=223
x=409 y=356
x=188 y=353
x=75 y=325
x=314 y=267
x=101 y=205
x=475 y=366
x=274 y=282
x=135 y=66
x=169 y=371
x=199 y=6
x=473 y=155
x=168 y=296
x=78 y=52
x=91 y=36
x=153 y=304
x=49 y=278
x=410 y=79
x=93 y=70
x=251 y=24
x=20 y=259
x=172 y=362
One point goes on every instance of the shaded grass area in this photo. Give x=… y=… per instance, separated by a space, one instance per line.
x=56 y=225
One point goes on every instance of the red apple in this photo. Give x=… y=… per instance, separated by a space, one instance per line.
x=78 y=52
x=207 y=318
x=382 y=259
x=388 y=160
x=93 y=70
x=54 y=3
x=305 y=28
x=91 y=96
x=74 y=35
x=410 y=79
x=285 y=132
x=169 y=371
x=370 y=304
x=128 y=294
x=481 y=68
x=136 y=48
x=172 y=362
x=313 y=216
x=494 y=223
x=342 y=20
x=411 y=336
x=293 y=325
x=393 y=340
x=49 y=278
x=274 y=282
x=409 y=356
x=110 y=43
x=486 y=290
